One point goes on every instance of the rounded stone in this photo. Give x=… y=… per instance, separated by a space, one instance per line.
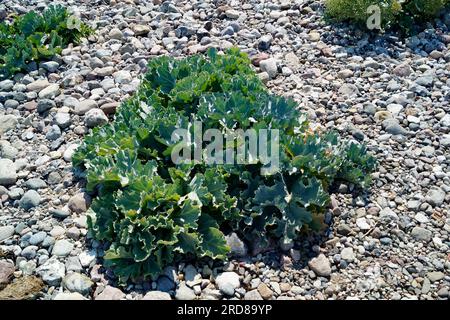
x=77 y=282
x=8 y=175
x=30 y=200
x=62 y=248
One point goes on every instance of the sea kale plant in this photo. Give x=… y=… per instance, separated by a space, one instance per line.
x=404 y=15
x=37 y=37
x=152 y=212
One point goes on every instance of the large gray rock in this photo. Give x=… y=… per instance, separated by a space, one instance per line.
x=191 y=276
x=402 y=70
x=210 y=294
x=95 y=117
x=79 y=203
x=184 y=293
x=53 y=133
x=388 y=215
x=6 y=232
x=49 y=92
x=445 y=121
x=347 y=254
x=269 y=66
x=156 y=295
x=69 y=296
x=62 y=248
x=44 y=105
x=227 y=282
x=435 y=197
x=421 y=234
x=320 y=265
x=77 y=282
x=38 y=85
x=7 y=151
x=52 y=271
x=122 y=77
x=11 y=104
x=252 y=295
x=35 y=183
x=394 y=108
x=86 y=257
x=73 y=264
x=393 y=127
x=105 y=71
x=264 y=42
x=445 y=140
x=63 y=120
x=37 y=238
x=141 y=30
x=84 y=106
x=70 y=150
x=115 y=34
x=29 y=252
x=7 y=122
x=50 y=66
x=6 y=85
x=110 y=293
x=30 y=200
x=27 y=267
x=8 y=175
x=348 y=90
x=435 y=276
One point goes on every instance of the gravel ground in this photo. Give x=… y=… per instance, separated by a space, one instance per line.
x=389 y=243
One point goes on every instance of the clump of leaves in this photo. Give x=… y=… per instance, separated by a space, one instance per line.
x=37 y=37
x=153 y=212
x=404 y=15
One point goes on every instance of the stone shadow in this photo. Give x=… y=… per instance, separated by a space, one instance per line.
x=366 y=43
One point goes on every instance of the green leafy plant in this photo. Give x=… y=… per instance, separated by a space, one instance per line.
x=36 y=37
x=153 y=212
x=405 y=15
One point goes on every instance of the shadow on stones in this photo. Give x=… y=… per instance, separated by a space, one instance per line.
x=355 y=41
